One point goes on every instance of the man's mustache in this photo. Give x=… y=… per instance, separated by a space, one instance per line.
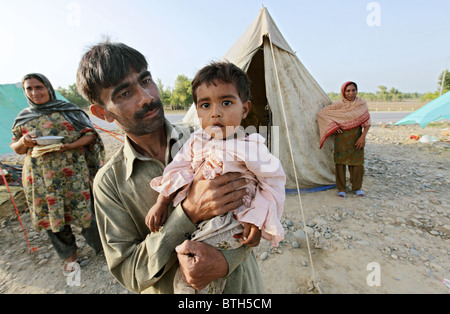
x=147 y=108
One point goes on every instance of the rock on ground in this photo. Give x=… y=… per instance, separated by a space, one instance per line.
x=399 y=231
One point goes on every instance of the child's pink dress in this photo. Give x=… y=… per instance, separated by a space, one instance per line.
x=246 y=154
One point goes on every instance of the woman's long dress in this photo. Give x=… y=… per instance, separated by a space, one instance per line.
x=57 y=185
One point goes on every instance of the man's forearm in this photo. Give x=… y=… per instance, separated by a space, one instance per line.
x=139 y=264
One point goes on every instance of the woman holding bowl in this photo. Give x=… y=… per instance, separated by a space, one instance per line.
x=57 y=183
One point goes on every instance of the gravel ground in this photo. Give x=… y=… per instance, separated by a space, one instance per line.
x=395 y=240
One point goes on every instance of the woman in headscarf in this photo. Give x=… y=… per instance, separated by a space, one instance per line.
x=349 y=118
x=57 y=184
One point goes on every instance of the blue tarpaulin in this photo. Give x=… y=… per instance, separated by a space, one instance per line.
x=434 y=110
x=12 y=101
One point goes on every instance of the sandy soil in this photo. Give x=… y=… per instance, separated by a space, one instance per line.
x=395 y=240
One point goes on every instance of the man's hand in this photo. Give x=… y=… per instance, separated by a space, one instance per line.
x=200 y=264
x=210 y=198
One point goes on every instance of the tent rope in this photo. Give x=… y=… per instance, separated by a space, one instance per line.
x=31 y=249
x=313 y=283
x=113 y=134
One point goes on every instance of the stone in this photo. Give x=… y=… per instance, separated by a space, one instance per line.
x=289 y=223
x=319 y=221
x=300 y=234
x=263 y=256
x=25 y=264
x=309 y=230
x=42 y=262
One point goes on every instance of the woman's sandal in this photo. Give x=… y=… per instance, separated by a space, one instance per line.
x=66 y=271
x=360 y=193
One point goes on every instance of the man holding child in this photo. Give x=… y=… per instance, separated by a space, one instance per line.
x=115 y=79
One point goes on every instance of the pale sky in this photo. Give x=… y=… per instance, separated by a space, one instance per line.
x=397 y=43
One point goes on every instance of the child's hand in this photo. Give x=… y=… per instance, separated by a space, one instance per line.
x=156 y=217
x=251 y=235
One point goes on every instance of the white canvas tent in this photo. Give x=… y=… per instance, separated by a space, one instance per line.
x=285 y=101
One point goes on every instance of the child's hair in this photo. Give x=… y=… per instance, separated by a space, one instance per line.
x=225 y=72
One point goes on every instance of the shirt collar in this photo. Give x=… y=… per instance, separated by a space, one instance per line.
x=174 y=135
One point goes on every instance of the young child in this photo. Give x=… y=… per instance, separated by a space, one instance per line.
x=222 y=95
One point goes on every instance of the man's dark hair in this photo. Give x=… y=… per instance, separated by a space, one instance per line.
x=106 y=65
x=225 y=72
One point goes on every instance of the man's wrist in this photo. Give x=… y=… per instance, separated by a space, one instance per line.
x=181 y=221
x=185 y=205
x=225 y=268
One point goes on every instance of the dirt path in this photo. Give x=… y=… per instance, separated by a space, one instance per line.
x=399 y=231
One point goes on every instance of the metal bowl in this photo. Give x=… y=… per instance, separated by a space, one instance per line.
x=48 y=140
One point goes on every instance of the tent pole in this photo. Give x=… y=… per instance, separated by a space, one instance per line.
x=269 y=129
x=443 y=77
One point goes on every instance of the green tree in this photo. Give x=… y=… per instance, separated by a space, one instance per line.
x=181 y=93
x=367 y=96
x=165 y=94
x=429 y=96
x=446 y=86
x=395 y=94
x=334 y=96
x=71 y=94
x=382 y=93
